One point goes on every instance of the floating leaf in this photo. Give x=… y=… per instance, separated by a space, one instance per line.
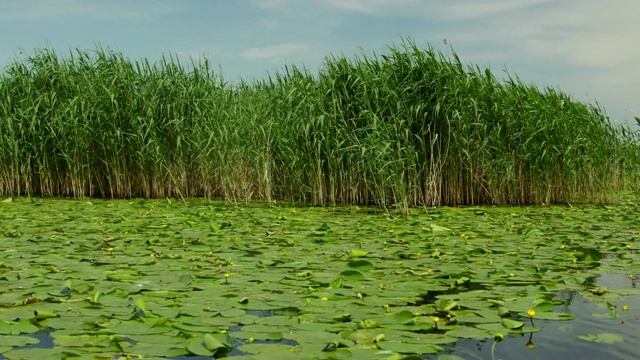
x=469 y=333
x=357 y=254
x=17 y=328
x=210 y=345
x=403 y=317
x=554 y=316
x=16 y=341
x=438 y=228
x=362 y=265
x=409 y=348
x=36 y=353
x=335 y=345
x=337 y=283
x=449 y=357
x=512 y=324
x=162 y=288
x=42 y=315
x=604 y=338
x=368 y=324
x=352 y=275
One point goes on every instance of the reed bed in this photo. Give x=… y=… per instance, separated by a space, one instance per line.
x=405 y=128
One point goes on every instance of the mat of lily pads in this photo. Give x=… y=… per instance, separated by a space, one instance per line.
x=174 y=279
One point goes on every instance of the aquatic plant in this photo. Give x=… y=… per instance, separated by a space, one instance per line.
x=153 y=279
x=407 y=127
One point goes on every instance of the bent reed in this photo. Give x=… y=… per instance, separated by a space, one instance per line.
x=409 y=127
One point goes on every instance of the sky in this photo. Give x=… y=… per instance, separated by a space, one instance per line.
x=586 y=48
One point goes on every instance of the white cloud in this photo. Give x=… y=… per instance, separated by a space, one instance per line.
x=459 y=9
x=275 y=53
x=582 y=47
x=465 y=10
x=366 y=6
x=30 y=10
x=589 y=33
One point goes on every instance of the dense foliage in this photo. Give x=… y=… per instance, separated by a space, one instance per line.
x=409 y=127
x=153 y=279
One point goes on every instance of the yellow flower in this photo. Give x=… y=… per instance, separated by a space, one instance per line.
x=324 y=298
x=562 y=247
x=531 y=313
x=625 y=308
x=530 y=345
x=227 y=275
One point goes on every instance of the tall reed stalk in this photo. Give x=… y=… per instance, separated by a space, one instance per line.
x=405 y=128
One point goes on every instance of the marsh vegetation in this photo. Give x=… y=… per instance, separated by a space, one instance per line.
x=404 y=128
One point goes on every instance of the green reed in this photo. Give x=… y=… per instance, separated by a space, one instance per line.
x=408 y=127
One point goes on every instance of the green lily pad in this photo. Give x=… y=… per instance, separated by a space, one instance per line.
x=13 y=340
x=408 y=348
x=153 y=273
x=210 y=344
x=554 y=316
x=603 y=338
x=352 y=275
x=357 y=254
x=35 y=353
x=362 y=265
x=512 y=324
x=17 y=328
x=449 y=357
x=469 y=333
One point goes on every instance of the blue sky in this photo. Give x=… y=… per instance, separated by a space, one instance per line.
x=587 y=48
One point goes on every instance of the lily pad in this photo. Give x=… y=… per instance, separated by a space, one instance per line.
x=469 y=333
x=409 y=348
x=603 y=338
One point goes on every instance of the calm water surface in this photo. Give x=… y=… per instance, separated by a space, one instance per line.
x=558 y=340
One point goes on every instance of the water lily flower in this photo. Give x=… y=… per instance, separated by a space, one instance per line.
x=531 y=313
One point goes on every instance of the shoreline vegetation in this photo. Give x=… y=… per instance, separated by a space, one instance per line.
x=410 y=127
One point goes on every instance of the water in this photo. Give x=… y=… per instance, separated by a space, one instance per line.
x=559 y=340
x=556 y=340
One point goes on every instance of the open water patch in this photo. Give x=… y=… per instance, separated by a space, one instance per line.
x=615 y=313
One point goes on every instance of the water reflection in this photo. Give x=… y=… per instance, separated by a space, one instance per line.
x=556 y=340
x=559 y=339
